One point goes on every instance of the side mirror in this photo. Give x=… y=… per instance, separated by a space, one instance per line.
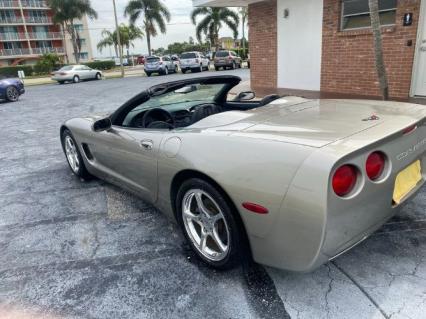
x=102 y=125
x=245 y=96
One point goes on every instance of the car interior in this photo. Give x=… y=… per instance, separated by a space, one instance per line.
x=178 y=105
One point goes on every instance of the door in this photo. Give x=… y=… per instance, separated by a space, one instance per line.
x=420 y=71
x=129 y=157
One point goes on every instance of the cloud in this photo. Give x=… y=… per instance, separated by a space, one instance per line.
x=179 y=29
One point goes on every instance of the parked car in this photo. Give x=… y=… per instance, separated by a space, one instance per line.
x=161 y=65
x=11 y=89
x=141 y=59
x=194 y=61
x=76 y=73
x=227 y=59
x=292 y=182
x=118 y=63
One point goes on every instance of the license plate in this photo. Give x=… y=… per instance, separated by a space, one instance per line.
x=406 y=180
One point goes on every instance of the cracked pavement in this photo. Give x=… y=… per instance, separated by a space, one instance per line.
x=73 y=249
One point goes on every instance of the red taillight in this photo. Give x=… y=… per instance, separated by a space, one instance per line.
x=255 y=208
x=344 y=180
x=410 y=129
x=375 y=165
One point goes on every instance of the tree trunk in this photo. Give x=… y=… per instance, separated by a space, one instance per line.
x=148 y=41
x=116 y=50
x=64 y=41
x=244 y=38
x=378 y=48
x=71 y=31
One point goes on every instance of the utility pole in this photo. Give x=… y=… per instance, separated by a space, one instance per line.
x=120 y=49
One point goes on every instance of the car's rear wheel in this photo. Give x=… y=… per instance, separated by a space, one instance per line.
x=216 y=68
x=12 y=94
x=208 y=224
x=98 y=76
x=76 y=79
x=148 y=74
x=166 y=71
x=183 y=71
x=61 y=82
x=72 y=153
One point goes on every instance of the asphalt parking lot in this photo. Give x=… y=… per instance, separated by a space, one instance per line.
x=73 y=249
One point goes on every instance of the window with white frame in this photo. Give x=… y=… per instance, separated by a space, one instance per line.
x=356 y=13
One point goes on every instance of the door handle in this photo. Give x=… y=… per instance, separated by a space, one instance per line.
x=147 y=144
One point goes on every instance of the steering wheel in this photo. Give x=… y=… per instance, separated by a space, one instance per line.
x=158 y=118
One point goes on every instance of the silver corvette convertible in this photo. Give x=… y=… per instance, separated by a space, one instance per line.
x=289 y=182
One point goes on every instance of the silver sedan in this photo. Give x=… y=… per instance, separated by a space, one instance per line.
x=76 y=73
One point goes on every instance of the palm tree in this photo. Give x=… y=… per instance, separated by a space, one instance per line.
x=213 y=20
x=128 y=34
x=244 y=14
x=378 y=48
x=154 y=14
x=64 y=14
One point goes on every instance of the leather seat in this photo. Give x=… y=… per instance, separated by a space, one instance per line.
x=204 y=111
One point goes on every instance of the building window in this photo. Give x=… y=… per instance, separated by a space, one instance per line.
x=78 y=27
x=84 y=55
x=356 y=13
x=82 y=42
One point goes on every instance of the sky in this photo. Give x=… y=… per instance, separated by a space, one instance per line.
x=179 y=28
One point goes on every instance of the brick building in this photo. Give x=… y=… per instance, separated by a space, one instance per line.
x=27 y=31
x=325 y=47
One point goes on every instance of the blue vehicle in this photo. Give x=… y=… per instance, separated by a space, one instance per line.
x=11 y=89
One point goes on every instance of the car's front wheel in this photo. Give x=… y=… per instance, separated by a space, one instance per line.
x=12 y=94
x=98 y=76
x=72 y=153
x=208 y=224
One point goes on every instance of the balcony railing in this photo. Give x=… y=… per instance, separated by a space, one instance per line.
x=14 y=4
x=42 y=20
x=34 y=4
x=11 y=20
x=27 y=52
x=12 y=36
x=32 y=36
x=45 y=36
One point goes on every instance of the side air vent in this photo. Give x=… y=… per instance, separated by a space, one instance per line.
x=87 y=152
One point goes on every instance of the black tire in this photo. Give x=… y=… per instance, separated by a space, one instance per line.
x=234 y=66
x=176 y=69
x=148 y=74
x=12 y=94
x=166 y=71
x=81 y=171
x=236 y=244
x=76 y=79
x=98 y=76
x=216 y=68
x=183 y=71
x=61 y=82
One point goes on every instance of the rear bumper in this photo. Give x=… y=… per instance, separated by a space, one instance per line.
x=153 y=70
x=224 y=64
x=314 y=225
x=189 y=66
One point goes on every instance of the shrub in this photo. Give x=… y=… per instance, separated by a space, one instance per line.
x=47 y=63
x=12 y=71
x=101 y=65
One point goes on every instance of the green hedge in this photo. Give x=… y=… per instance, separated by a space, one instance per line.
x=101 y=65
x=12 y=71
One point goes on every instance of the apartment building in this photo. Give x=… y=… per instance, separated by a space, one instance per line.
x=27 y=32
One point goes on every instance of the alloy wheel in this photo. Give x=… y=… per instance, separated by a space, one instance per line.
x=72 y=154
x=205 y=224
x=12 y=94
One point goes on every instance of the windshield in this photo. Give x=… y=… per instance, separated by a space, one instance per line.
x=178 y=100
x=151 y=60
x=222 y=54
x=188 y=56
x=67 y=68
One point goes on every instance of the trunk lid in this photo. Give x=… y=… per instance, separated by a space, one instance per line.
x=317 y=123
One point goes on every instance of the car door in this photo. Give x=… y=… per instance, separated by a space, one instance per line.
x=128 y=156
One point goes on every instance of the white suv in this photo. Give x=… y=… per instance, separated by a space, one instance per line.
x=194 y=61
